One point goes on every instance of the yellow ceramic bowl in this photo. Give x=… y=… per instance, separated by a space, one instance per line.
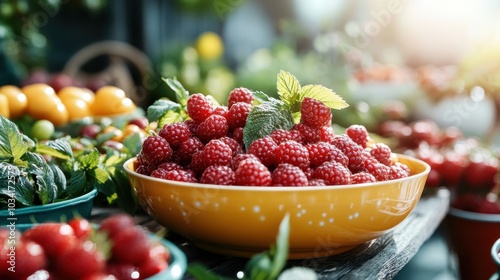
x=242 y=221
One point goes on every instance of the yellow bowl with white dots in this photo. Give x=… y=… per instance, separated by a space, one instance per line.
x=242 y=221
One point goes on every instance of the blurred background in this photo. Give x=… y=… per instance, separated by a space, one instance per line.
x=391 y=60
x=367 y=51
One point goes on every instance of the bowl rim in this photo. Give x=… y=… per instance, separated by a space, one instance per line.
x=55 y=205
x=473 y=216
x=495 y=252
x=282 y=188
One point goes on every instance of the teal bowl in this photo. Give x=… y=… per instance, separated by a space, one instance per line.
x=177 y=265
x=56 y=212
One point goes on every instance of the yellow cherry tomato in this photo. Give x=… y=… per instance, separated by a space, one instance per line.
x=41 y=99
x=17 y=100
x=126 y=105
x=76 y=93
x=131 y=129
x=77 y=108
x=58 y=115
x=106 y=99
x=209 y=46
x=4 y=106
x=118 y=134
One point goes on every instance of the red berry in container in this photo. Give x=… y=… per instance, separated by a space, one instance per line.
x=240 y=94
x=315 y=113
x=333 y=173
x=252 y=173
x=264 y=149
x=237 y=115
x=293 y=153
x=175 y=133
x=156 y=150
x=199 y=108
x=288 y=175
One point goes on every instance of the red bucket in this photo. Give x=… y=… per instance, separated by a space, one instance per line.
x=471 y=236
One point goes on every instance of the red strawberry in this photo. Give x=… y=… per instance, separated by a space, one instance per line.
x=29 y=258
x=55 y=238
x=81 y=227
x=116 y=224
x=480 y=175
x=80 y=261
x=130 y=246
x=123 y=271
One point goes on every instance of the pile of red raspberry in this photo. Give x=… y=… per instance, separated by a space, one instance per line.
x=208 y=148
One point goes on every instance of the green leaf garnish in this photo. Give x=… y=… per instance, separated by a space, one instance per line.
x=288 y=88
x=181 y=94
x=323 y=94
x=58 y=148
x=12 y=146
x=271 y=114
x=266 y=118
x=90 y=160
x=170 y=117
x=161 y=107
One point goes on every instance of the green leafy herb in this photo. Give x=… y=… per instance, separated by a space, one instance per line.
x=265 y=118
x=12 y=146
x=181 y=94
x=288 y=88
x=57 y=148
x=271 y=114
x=160 y=107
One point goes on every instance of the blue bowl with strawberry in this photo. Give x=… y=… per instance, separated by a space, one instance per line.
x=115 y=249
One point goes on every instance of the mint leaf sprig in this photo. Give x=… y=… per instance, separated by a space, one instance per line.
x=271 y=114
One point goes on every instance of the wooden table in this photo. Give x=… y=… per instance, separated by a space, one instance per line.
x=382 y=258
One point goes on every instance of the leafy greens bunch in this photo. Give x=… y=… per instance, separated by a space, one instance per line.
x=38 y=173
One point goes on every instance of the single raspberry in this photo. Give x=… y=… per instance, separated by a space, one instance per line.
x=197 y=164
x=213 y=127
x=175 y=175
x=218 y=175
x=239 y=158
x=170 y=166
x=317 y=182
x=353 y=151
x=264 y=149
x=397 y=172
x=252 y=173
x=321 y=152
x=315 y=113
x=333 y=173
x=326 y=134
x=358 y=134
x=293 y=153
x=288 y=175
x=404 y=167
x=221 y=111
x=362 y=177
x=280 y=135
x=238 y=134
x=156 y=150
x=235 y=146
x=238 y=113
x=192 y=125
x=175 y=133
x=199 y=108
x=309 y=171
x=240 y=94
x=187 y=149
x=217 y=152
x=382 y=153
x=377 y=169
x=145 y=169
x=308 y=134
